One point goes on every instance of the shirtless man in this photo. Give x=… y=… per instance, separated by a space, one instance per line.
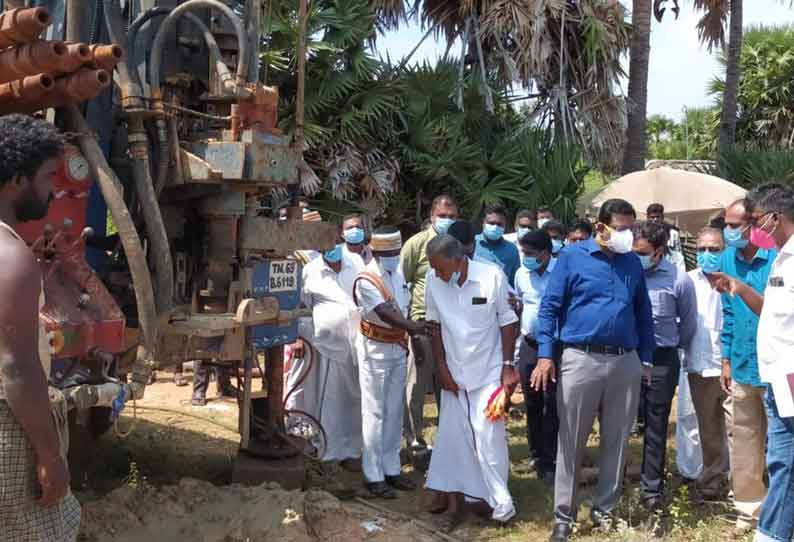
x=35 y=502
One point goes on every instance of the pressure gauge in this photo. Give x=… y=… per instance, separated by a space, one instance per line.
x=77 y=169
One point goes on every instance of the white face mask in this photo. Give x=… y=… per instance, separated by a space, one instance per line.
x=389 y=263
x=620 y=242
x=542 y=222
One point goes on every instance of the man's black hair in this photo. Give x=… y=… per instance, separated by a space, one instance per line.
x=655 y=234
x=537 y=239
x=352 y=215
x=582 y=225
x=495 y=210
x=544 y=209
x=772 y=198
x=445 y=246
x=655 y=209
x=615 y=206
x=386 y=230
x=555 y=225
x=443 y=198
x=526 y=213
x=463 y=230
x=25 y=144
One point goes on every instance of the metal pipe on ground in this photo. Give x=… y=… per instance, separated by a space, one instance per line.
x=31 y=59
x=15 y=95
x=22 y=25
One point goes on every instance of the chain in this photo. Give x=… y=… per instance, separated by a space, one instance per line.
x=71 y=136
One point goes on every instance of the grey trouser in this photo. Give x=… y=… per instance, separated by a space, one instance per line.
x=420 y=380
x=588 y=384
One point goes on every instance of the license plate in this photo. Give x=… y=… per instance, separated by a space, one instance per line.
x=283 y=276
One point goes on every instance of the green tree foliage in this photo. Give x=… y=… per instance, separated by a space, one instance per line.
x=386 y=138
x=693 y=138
x=766 y=89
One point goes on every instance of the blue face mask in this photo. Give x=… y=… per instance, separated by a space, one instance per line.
x=647 y=261
x=389 y=263
x=521 y=232
x=334 y=255
x=441 y=225
x=709 y=262
x=556 y=246
x=532 y=263
x=493 y=232
x=354 y=236
x=733 y=238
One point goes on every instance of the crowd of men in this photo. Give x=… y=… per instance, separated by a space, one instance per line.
x=595 y=321
x=599 y=320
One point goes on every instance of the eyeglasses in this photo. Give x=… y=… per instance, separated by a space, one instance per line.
x=713 y=250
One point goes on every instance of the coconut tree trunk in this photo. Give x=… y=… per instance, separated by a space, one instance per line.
x=730 y=97
x=634 y=157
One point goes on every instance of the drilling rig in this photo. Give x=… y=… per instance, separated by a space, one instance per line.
x=162 y=245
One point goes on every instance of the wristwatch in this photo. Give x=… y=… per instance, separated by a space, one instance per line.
x=509 y=363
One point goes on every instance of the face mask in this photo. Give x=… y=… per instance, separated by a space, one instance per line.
x=733 y=238
x=441 y=225
x=389 y=263
x=532 y=263
x=521 y=232
x=620 y=242
x=556 y=246
x=493 y=232
x=647 y=261
x=354 y=236
x=334 y=255
x=709 y=262
x=542 y=222
x=762 y=238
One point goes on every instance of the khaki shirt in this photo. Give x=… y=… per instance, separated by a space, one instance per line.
x=415 y=265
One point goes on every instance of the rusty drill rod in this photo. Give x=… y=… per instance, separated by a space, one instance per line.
x=22 y=25
x=15 y=96
x=31 y=59
x=77 y=54
x=81 y=85
x=105 y=57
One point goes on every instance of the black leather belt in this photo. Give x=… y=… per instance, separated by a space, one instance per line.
x=531 y=342
x=600 y=349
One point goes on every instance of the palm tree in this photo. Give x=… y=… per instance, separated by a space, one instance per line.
x=634 y=157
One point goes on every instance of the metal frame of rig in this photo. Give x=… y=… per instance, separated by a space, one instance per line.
x=176 y=141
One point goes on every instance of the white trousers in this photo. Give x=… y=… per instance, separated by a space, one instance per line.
x=688 y=453
x=306 y=396
x=382 y=390
x=340 y=409
x=470 y=452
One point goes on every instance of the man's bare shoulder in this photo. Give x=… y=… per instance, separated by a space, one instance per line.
x=19 y=270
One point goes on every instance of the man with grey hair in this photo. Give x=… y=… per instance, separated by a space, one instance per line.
x=474 y=358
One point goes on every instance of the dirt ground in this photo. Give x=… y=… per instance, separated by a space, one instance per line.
x=170 y=480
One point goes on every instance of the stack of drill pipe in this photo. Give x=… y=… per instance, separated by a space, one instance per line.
x=37 y=74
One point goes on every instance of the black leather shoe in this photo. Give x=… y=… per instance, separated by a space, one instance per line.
x=381 y=490
x=601 y=520
x=561 y=533
x=654 y=504
x=401 y=483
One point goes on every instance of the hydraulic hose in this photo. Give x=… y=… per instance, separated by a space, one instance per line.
x=215 y=52
x=113 y=194
x=155 y=62
x=141 y=173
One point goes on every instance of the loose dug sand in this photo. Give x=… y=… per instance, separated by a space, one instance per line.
x=199 y=511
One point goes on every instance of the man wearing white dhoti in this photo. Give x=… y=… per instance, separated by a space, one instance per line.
x=474 y=354
x=381 y=293
x=327 y=290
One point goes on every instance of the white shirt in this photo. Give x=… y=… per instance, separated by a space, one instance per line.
x=334 y=315
x=776 y=325
x=369 y=297
x=704 y=354
x=471 y=317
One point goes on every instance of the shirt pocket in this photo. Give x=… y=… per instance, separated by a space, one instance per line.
x=664 y=304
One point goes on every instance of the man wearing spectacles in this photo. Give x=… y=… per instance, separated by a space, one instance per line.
x=746 y=261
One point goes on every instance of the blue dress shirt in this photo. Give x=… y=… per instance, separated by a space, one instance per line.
x=739 y=322
x=595 y=299
x=530 y=288
x=502 y=252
